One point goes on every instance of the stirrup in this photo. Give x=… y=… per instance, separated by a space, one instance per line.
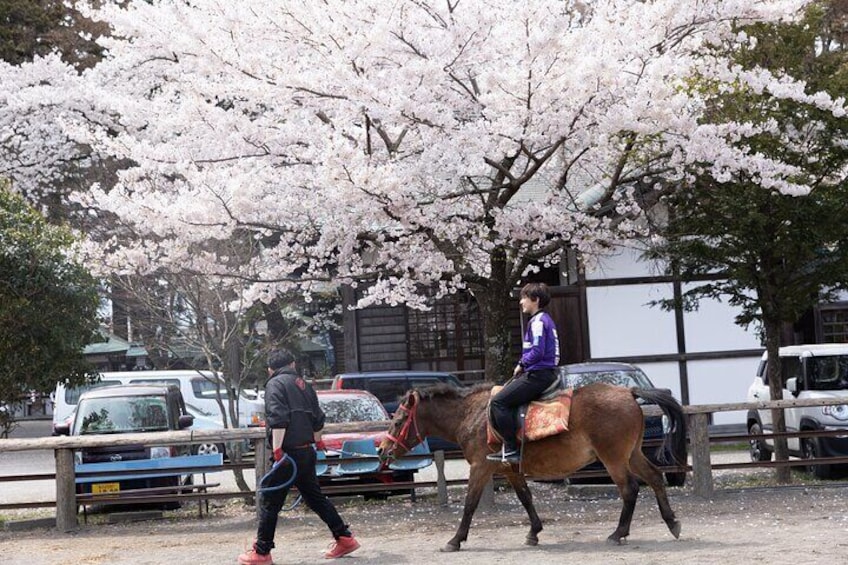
x=511 y=457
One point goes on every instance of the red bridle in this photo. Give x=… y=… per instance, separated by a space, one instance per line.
x=411 y=422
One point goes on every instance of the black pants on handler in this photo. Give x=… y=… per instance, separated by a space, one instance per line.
x=271 y=502
x=520 y=390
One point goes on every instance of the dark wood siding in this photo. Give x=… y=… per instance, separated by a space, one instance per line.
x=566 y=309
x=382 y=338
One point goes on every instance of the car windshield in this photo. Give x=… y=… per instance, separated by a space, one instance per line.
x=626 y=378
x=121 y=414
x=828 y=373
x=352 y=409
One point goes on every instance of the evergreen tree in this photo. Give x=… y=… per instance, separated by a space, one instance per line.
x=48 y=305
x=777 y=254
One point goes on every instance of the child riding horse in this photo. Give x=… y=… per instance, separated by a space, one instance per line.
x=606 y=424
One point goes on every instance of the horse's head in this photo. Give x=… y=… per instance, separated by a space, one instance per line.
x=403 y=432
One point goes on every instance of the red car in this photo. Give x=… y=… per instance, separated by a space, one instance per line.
x=341 y=406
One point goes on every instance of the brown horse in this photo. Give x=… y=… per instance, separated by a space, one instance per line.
x=606 y=424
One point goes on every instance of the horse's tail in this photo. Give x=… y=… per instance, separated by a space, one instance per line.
x=674 y=440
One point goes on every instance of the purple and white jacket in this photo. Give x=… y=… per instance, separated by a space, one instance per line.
x=540 y=349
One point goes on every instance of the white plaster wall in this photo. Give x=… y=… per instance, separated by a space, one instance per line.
x=664 y=375
x=625 y=261
x=621 y=322
x=711 y=328
x=722 y=381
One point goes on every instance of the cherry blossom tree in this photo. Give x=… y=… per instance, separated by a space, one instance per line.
x=413 y=144
x=34 y=151
x=34 y=148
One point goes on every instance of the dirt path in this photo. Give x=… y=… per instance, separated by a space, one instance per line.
x=792 y=526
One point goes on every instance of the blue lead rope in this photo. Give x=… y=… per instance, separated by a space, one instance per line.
x=274 y=468
x=284 y=484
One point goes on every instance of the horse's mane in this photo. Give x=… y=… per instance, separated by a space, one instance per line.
x=442 y=390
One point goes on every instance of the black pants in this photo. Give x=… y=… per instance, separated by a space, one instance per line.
x=520 y=390
x=271 y=502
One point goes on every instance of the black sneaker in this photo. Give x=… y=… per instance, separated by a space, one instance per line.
x=512 y=457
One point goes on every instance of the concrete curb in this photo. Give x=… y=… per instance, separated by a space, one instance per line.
x=24 y=525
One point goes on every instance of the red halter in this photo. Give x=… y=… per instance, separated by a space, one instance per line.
x=411 y=421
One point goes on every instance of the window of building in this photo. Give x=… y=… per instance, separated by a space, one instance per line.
x=451 y=329
x=834 y=324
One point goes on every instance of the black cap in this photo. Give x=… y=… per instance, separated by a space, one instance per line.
x=279 y=359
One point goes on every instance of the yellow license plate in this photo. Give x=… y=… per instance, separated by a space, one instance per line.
x=100 y=488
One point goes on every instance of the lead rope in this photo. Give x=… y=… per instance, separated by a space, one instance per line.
x=284 y=484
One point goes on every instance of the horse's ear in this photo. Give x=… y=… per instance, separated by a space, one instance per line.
x=413 y=398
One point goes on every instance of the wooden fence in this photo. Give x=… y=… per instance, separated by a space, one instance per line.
x=63 y=447
x=699 y=438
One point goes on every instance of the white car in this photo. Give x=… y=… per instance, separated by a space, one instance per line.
x=204 y=420
x=197 y=387
x=809 y=371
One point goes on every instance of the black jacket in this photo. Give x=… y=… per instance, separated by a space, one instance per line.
x=291 y=403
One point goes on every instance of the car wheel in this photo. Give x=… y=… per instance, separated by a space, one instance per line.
x=811 y=450
x=675 y=479
x=759 y=450
x=208 y=449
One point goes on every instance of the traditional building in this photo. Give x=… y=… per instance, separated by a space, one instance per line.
x=603 y=313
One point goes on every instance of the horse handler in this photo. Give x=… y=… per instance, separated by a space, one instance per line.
x=294 y=420
x=534 y=373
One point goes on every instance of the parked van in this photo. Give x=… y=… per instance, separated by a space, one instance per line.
x=197 y=387
x=125 y=410
x=809 y=371
x=390 y=386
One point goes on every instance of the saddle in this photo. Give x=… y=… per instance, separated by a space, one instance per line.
x=544 y=417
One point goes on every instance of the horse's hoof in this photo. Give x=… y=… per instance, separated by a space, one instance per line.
x=617 y=540
x=449 y=548
x=675 y=529
x=531 y=541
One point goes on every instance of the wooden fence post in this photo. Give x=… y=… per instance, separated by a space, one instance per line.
x=487 y=499
x=441 y=480
x=260 y=467
x=66 y=491
x=702 y=471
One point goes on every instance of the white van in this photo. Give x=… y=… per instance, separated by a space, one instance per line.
x=809 y=371
x=197 y=387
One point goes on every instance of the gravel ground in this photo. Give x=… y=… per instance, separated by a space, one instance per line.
x=791 y=525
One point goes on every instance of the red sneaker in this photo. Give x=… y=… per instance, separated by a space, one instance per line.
x=253 y=558
x=341 y=547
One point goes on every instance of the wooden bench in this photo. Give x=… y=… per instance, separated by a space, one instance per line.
x=109 y=475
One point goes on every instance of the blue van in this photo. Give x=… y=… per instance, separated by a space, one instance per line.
x=390 y=386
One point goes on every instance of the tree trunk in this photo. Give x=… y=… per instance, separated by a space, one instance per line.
x=233 y=369
x=495 y=307
x=775 y=379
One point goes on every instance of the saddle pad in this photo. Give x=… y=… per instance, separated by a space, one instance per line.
x=538 y=419
x=547 y=418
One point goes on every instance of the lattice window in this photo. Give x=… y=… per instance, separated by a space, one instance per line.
x=452 y=328
x=835 y=325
